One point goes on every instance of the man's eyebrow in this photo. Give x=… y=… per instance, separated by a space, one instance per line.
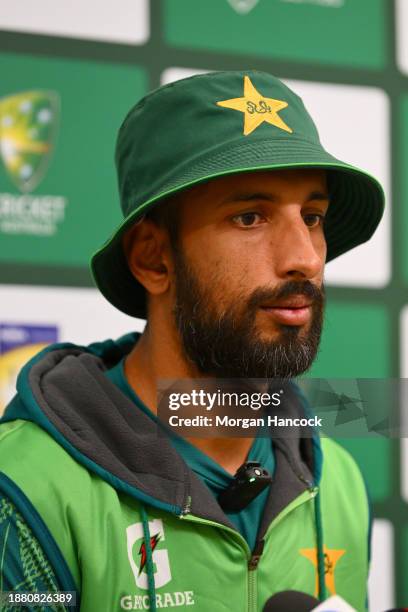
x=249 y=196
x=318 y=195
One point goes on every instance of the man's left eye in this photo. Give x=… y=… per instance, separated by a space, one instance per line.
x=247 y=219
x=313 y=219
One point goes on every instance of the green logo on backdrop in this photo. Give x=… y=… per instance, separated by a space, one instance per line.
x=28 y=126
x=243 y=6
x=28 y=129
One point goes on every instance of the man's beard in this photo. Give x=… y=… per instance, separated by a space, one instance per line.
x=225 y=344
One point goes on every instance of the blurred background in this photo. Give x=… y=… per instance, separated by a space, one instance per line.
x=69 y=73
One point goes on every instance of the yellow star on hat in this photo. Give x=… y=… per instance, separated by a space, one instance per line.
x=257 y=108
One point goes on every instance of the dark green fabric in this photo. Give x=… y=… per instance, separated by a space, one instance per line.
x=33 y=529
x=246 y=521
x=23 y=563
x=191 y=131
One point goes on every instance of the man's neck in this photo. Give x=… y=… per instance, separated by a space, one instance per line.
x=157 y=355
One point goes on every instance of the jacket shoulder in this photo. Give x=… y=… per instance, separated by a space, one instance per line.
x=338 y=460
x=26 y=448
x=343 y=483
x=46 y=482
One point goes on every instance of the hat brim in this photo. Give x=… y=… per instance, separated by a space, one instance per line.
x=356 y=207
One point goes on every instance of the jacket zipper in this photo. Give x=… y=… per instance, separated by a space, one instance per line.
x=254 y=557
x=252 y=576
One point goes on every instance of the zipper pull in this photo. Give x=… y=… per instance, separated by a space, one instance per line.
x=313 y=489
x=187 y=507
x=256 y=555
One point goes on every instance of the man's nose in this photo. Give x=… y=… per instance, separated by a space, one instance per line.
x=297 y=254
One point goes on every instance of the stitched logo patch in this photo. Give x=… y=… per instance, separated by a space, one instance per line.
x=331 y=558
x=257 y=109
x=160 y=557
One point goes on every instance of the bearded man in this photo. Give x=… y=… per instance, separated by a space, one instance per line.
x=232 y=208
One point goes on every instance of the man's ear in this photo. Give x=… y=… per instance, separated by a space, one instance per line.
x=146 y=248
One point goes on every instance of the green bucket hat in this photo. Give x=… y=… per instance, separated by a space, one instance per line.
x=212 y=125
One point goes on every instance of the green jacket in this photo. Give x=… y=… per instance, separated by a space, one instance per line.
x=125 y=523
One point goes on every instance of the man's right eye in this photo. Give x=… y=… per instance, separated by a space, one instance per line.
x=247 y=219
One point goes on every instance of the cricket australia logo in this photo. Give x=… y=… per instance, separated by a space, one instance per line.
x=28 y=128
x=138 y=561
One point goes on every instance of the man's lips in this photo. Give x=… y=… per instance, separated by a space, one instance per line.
x=294 y=310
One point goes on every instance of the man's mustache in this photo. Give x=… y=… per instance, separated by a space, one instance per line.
x=288 y=289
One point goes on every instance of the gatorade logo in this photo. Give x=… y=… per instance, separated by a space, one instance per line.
x=138 y=557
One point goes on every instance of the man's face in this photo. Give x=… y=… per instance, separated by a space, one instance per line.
x=249 y=271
